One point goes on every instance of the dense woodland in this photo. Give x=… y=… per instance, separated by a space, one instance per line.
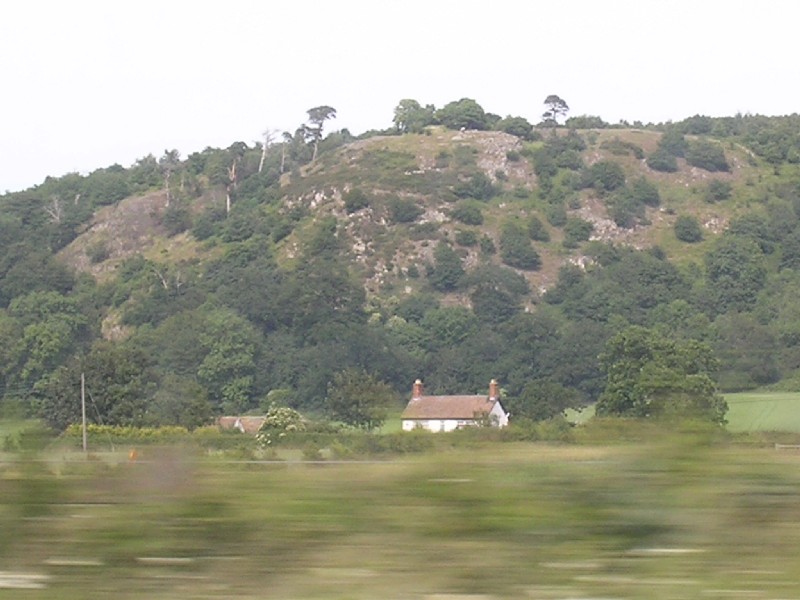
x=455 y=246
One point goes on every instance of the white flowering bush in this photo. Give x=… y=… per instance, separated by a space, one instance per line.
x=280 y=421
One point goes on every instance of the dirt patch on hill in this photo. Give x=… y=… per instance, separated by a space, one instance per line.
x=124 y=230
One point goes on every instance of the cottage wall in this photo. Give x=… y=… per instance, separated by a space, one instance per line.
x=498 y=415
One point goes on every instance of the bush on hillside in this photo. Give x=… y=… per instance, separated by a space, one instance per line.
x=688 y=229
x=662 y=161
x=468 y=212
x=537 y=231
x=707 y=155
x=718 y=190
x=576 y=230
x=516 y=249
x=404 y=210
x=355 y=200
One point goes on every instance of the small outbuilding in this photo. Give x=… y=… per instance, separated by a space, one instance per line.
x=249 y=425
x=447 y=413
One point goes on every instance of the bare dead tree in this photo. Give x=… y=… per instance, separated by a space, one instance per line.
x=269 y=137
x=231 y=185
x=168 y=163
x=287 y=139
x=162 y=277
x=55 y=209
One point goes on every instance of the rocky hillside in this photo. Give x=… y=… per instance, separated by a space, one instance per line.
x=397 y=197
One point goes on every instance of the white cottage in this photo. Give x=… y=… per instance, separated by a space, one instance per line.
x=446 y=413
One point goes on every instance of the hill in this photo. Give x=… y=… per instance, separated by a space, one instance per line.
x=239 y=275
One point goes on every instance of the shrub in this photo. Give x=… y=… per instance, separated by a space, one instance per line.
x=707 y=155
x=586 y=122
x=521 y=192
x=604 y=176
x=537 y=231
x=556 y=215
x=516 y=249
x=718 y=190
x=127 y=434
x=280 y=421
x=98 y=251
x=355 y=200
x=618 y=147
x=645 y=192
x=687 y=229
x=569 y=159
x=479 y=187
x=513 y=156
x=404 y=210
x=442 y=160
x=466 y=237
x=468 y=212
x=662 y=161
x=624 y=209
x=487 y=245
x=673 y=143
x=177 y=219
x=576 y=230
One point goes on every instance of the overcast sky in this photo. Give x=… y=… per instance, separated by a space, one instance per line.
x=86 y=84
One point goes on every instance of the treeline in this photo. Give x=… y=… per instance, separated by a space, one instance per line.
x=243 y=330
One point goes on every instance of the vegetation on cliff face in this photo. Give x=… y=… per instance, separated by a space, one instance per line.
x=456 y=246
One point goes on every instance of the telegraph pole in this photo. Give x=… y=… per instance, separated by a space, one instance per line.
x=83 y=409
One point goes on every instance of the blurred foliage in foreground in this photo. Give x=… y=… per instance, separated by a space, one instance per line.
x=681 y=515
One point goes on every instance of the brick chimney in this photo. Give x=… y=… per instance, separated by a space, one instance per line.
x=493 y=391
x=416 y=390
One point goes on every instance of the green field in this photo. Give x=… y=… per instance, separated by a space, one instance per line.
x=748 y=412
x=763 y=411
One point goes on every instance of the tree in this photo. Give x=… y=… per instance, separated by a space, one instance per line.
x=231 y=344
x=359 y=399
x=50 y=324
x=543 y=399
x=736 y=271
x=169 y=163
x=411 y=117
x=236 y=151
x=556 y=107
x=447 y=269
x=516 y=249
x=649 y=374
x=179 y=401
x=462 y=114
x=118 y=387
x=269 y=137
x=517 y=126
x=317 y=117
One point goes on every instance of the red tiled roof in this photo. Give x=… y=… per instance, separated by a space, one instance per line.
x=448 y=407
x=245 y=424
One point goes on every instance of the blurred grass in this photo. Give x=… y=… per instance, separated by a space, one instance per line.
x=676 y=516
